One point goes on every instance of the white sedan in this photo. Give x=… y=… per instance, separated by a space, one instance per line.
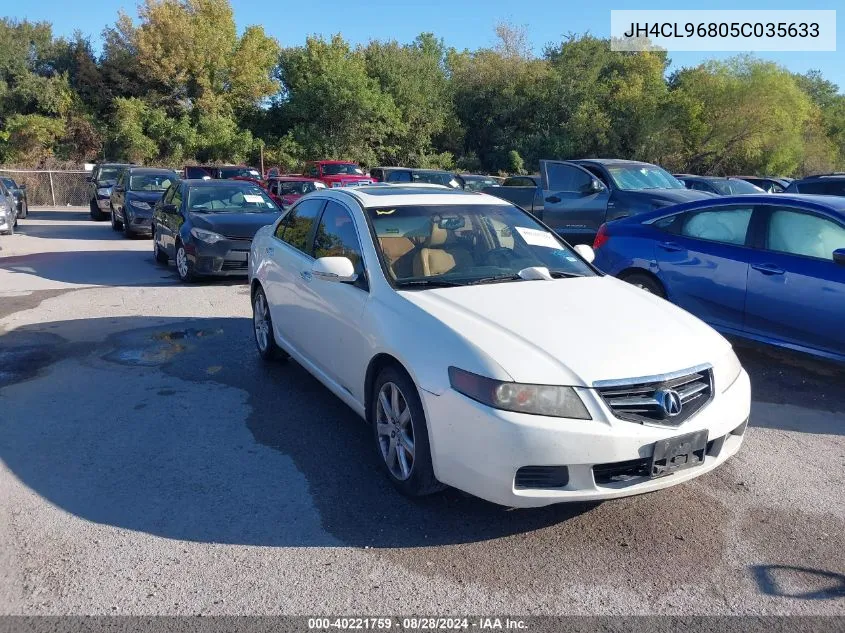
x=487 y=354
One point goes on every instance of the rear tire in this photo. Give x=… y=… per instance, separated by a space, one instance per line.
x=647 y=283
x=400 y=434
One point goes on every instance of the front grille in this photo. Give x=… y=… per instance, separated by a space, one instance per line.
x=541 y=477
x=239 y=239
x=640 y=399
x=234 y=265
x=621 y=472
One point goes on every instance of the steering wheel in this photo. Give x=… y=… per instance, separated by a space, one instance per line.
x=501 y=256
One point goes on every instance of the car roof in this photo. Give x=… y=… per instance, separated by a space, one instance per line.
x=116 y=165
x=334 y=162
x=831 y=204
x=210 y=182
x=151 y=170
x=293 y=178
x=610 y=161
x=818 y=177
x=385 y=195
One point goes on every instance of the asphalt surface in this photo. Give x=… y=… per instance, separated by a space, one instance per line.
x=150 y=463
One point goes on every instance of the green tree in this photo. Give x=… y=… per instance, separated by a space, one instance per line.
x=331 y=106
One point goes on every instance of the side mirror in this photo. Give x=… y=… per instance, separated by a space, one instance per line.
x=21 y=186
x=118 y=188
x=169 y=208
x=89 y=179
x=334 y=269
x=586 y=252
x=597 y=186
x=839 y=256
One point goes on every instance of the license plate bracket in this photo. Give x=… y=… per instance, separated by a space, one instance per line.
x=678 y=453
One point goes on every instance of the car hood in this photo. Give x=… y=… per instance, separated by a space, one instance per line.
x=573 y=331
x=673 y=196
x=147 y=196
x=239 y=225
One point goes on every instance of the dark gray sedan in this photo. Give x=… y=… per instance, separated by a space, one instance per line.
x=134 y=196
x=207 y=226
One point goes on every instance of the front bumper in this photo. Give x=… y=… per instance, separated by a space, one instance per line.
x=139 y=221
x=227 y=258
x=479 y=450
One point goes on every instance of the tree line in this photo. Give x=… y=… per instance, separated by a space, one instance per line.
x=180 y=85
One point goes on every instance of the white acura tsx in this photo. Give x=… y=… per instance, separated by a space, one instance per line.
x=487 y=354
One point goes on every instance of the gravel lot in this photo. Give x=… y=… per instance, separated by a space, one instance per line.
x=151 y=464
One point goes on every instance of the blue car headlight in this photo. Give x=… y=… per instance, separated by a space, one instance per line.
x=140 y=204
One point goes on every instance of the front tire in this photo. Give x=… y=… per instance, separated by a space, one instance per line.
x=401 y=434
x=184 y=267
x=127 y=231
x=647 y=283
x=262 y=328
x=115 y=224
x=159 y=255
x=96 y=214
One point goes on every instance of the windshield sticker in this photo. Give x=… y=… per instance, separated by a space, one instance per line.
x=251 y=197
x=538 y=237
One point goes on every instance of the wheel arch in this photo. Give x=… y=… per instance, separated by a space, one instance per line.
x=638 y=270
x=376 y=364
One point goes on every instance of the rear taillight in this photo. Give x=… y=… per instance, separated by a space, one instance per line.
x=601 y=237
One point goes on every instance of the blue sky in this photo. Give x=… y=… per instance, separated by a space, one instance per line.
x=462 y=23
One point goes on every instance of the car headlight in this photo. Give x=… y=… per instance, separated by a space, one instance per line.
x=550 y=400
x=209 y=237
x=104 y=191
x=725 y=371
x=140 y=204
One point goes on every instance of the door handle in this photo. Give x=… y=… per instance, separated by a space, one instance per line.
x=768 y=269
x=553 y=199
x=671 y=247
x=305 y=274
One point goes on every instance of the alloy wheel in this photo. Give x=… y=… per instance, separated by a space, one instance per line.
x=395 y=431
x=182 y=262
x=261 y=322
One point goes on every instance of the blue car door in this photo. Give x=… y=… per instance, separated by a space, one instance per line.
x=703 y=262
x=796 y=291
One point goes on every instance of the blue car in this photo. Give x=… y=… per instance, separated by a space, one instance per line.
x=767 y=268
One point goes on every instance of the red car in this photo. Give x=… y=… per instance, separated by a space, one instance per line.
x=285 y=190
x=337 y=173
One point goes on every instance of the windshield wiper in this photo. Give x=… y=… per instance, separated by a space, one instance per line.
x=427 y=283
x=495 y=278
x=563 y=274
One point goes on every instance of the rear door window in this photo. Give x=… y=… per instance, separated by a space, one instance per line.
x=728 y=226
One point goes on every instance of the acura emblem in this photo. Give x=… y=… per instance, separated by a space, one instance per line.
x=670 y=401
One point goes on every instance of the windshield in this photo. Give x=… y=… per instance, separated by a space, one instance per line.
x=299 y=187
x=339 y=169
x=735 y=186
x=477 y=183
x=109 y=173
x=464 y=244
x=639 y=177
x=436 y=178
x=229 y=198
x=151 y=182
x=243 y=172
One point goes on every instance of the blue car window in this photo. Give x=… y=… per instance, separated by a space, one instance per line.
x=804 y=234
x=728 y=226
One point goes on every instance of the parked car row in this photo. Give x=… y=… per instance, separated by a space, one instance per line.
x=13 y=205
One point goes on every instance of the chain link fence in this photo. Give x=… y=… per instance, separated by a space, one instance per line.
x=52 y=188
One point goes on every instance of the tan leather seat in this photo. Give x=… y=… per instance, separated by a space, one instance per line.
x=398 y=253
x=437 y=256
